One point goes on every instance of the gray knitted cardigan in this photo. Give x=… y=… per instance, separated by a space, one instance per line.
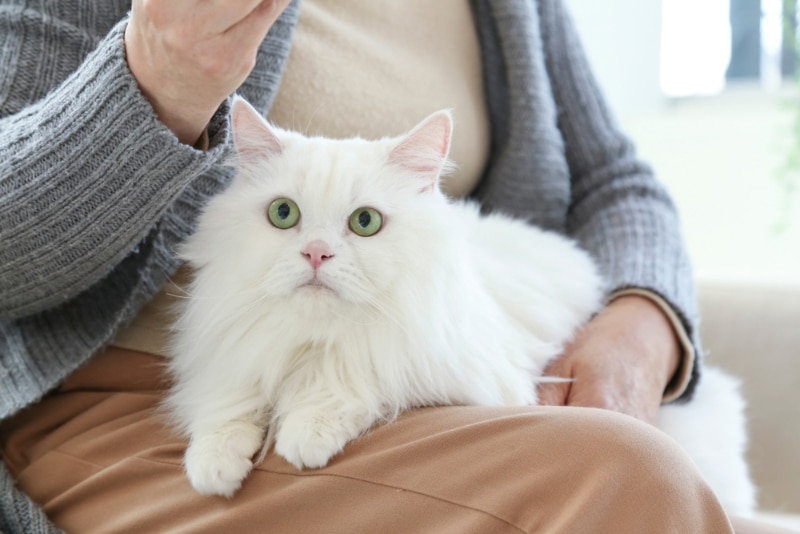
x=95 y=193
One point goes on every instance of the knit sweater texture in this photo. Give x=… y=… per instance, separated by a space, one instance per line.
x=96 y=193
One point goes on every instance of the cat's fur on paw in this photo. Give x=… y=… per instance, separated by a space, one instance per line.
x=310 y=440
x=217 y=463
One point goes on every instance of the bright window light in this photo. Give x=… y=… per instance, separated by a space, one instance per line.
x=695 y=46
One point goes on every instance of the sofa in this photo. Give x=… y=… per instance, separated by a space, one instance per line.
x=752 y=329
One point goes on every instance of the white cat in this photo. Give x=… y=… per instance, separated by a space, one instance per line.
x=336 y=286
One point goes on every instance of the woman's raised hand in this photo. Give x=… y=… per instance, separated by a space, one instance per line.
x=189 y=55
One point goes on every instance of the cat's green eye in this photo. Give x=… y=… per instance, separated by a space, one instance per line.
x=366 y=221
x=283 y=213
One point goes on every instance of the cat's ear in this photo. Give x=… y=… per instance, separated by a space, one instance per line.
x=254 y=138
x=424 y=149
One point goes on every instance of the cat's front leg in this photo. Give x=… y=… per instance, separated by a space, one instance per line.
x=217 y=462
x=310 y=436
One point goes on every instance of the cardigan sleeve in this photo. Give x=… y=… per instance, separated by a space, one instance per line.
x=85 y=173
x=618 y=211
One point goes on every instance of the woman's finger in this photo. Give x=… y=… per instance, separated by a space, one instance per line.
x=555 y=393
x=251 y=30
x=221 y=16
x=189 y=55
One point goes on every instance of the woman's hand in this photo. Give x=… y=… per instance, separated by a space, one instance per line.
x=621 y=360
x=189 y=55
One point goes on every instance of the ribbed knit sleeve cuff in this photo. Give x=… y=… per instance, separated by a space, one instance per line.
x=85 y=174
x=18 y=513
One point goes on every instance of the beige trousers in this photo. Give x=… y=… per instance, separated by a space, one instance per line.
x=97 y=456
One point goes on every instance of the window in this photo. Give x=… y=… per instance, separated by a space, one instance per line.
x=716 y=128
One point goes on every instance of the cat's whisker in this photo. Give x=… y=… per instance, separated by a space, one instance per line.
x=341 y=314
x=312 y=116
x=370 y=296
x=261 y=290
x=186 y=294
x=177 y=286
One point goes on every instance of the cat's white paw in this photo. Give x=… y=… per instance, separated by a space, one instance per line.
x=311 y=442
x=217 y=463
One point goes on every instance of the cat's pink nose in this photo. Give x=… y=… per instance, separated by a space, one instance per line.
x=316 y=252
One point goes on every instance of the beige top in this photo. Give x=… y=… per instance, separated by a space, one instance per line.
x=368 y=69
x=375 y=69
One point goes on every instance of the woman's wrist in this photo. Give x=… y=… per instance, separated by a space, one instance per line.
x=658 y=337
x=682 y=377
x=186 y=117
x=188 y=56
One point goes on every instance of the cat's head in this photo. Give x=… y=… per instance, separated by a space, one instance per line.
x=316 y=220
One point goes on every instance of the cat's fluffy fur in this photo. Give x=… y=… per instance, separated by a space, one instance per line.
x=441 y=306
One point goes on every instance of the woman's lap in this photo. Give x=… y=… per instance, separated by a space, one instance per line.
x=98 y=456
